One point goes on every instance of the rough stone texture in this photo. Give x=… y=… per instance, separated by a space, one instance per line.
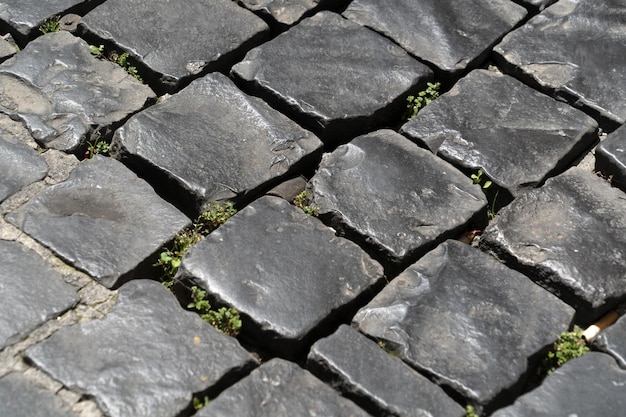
x=517 y=136
x=333 y=74
x=613 y=341
x=466 y=319
x=286 y=12
x=6 y=49
x=575 y=50
x=145 y=358
x=611 y=158
x=451 y=34
x=20 y=165
x=186 y=36
x=60 y=90
x=570 y=236
x=103 y=220
x=19 y=397
x=280 y=389
x=381 y=382
x=214 y=141
x=285 y=271
x=592 y=385
x=398 y=197
x=31 y=293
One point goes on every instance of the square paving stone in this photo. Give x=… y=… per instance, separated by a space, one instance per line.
x=517 y=136
x=591 y=385
x=569 y=236
x=333 y=74
x=285 y=272
x=574 y=50
x=280 y=389
x=399 y=198
x=214 y=141
x=381 y=382
x=145 y=358
x=611 y=158
x=20 y=165
x=19 y=397
x=103 y=220
x=178 y=39
x=613 y=341
x=31 y=293
x=451 y=34
x=62 y=92
x=467 y=320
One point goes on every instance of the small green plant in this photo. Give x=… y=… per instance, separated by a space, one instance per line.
x=198 y=403
x=226 y=320
x=423 y=98
x=568 y=346
x=302 y=201
x=469 y=412
x=479 y=179
x=97 y=147
x=216 y=215
x=485 y=184
x=50 y=25
x=122 y=61
x=97 y=50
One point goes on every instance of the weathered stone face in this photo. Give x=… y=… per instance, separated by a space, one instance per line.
x=286 y=12
x=611 y=158
x=20 y=397
x=20 y=165
x=613 y=341
x=149 y=365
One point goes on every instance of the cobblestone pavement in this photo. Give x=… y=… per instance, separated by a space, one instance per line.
x=427 y=270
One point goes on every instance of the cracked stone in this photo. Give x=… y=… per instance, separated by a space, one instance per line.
x=20 y=165
x=613 y=341
x=333 y=74
x=280 y=389
x=611 y=158
x=574 y=50
x=145 y=358
x=399 y=198
x=284 y=271
x=517 y=136
x=466 y=319
x=214 y=141
x=451 y=34
x=103 y=220
x=20 y=397
x=562 y=235
x=286 y=12
x=32 y=293
x=60 y=90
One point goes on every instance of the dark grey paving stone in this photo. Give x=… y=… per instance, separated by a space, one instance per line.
x=61 y=91
x=20 y=165
x=401 y=199
x=517 y=136
x=177 y=39
x=31 y=293
x=611 y=157
x=145 y=358
x=467 y=320
x=592 y=385
x=214 y=141
x=19 y=397
x=285 y=12
x=333 y=74
x=562 y=235
x=284 y=271
x=280 y=389
x=613 y=341
x=376 y=379
x=452 y=34
x=574 y=50
x=103 y=220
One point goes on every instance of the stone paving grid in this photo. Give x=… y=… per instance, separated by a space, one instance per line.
x=312 y=89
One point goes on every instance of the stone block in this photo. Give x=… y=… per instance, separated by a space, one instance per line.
x=400 y=199
x=280 y=389
x=285 y=272
x=569 y=236
x=214 y=142
x=467 y=320
x=177 y=39
x=103 y=220
x=517 y=136
x=145 y=358
x=285 y=12
x=613 y=341
x=6 y=49
x=611 y=158
x=333 y=74
x=61 y=91
x=31 y=293
x=379 y=381
x=20 y=165
x=451 y=34
x=20 y=397
x=574 y=50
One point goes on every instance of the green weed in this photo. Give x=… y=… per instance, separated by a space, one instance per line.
x=485 y=183
x=97 y=147
x=50 y=25
x=123 y=62
x=198 y=403
x=568 y=346
x=302 y=201
x=469 y=412
x=226 y=320
x=423 y=98
x=96 y=50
